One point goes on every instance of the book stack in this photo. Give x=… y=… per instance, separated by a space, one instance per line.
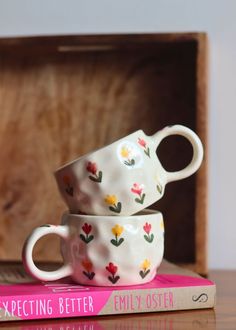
x=173 y=288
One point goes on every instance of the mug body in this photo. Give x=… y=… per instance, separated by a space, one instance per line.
x=103 y=250
x=120 y=179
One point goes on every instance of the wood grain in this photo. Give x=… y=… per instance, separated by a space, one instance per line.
x=61 y=97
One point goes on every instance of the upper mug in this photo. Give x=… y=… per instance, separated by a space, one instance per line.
x=124 y=177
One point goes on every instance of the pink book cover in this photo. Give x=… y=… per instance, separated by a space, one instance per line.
x=24 y=299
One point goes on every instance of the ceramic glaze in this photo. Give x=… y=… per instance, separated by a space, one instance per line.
x=104 y=250
x=125 y=176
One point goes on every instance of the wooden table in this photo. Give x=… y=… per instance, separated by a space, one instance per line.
x=221 y=318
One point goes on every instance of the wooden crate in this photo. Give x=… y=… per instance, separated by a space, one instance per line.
x=61 y=97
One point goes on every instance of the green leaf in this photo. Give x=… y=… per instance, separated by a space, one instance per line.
x=86 y=274
x=137 y=200
x=86 y=239
x=83 y=238
x=148 y=271
x=91 y=275
x=113 y=279
x=114 y=242
x=93 y=178
x=118 y=207
x=151 y=238
x=116 y=279
x=112 y=208
x=132 y=162
x=100 y=176
x=142 y=198
x=147 y=152
x=89 y=238
x=142 y=274
x=121 y=240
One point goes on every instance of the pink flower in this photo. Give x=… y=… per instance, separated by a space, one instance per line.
x=142 y=142
x=147 y=228
x=137 y=189
x=92 y=168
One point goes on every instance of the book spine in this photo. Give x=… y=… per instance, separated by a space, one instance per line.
x=159 y=300
x=76 y=304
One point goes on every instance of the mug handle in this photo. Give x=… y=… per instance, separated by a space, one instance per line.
x=196 y=161
x=27 y=253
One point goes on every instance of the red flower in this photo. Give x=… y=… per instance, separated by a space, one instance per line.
x=87 y=228
x=87 y=265
x=111 y=268
x=142 y=142
x=137 y=189
x=147 y=228
x=92 y=168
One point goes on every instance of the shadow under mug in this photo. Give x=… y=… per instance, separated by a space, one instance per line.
x=103 y=250
x=124 y=177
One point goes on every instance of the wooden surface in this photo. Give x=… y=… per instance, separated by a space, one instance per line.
x=223 y=317
x=61 y=97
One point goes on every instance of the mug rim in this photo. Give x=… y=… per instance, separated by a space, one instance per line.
x=141 y=214
x=71 y=163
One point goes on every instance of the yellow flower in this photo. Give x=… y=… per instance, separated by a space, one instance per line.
x=162 y=225
x=146 y=264
x=110 y=199
x=124 y=152
x=117 y=230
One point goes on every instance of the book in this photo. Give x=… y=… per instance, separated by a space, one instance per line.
x=173 y=288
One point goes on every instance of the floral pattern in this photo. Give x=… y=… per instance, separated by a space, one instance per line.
x=125 y=153
x=147 y=228
x=88 y=266
x=112 y=202
x=138 y=190
x=112 y=269
x=143 y=144
x=69 y=187
x=96 y=175
x=145 y=268
x=86 y=229
x=117 y=230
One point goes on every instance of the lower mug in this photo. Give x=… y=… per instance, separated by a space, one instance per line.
x=103 y=250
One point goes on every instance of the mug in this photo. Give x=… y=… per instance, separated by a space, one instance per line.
x=103 y=250
x=125 y=176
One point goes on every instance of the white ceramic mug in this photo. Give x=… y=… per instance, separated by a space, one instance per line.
x=103 y=250
x=125 y=176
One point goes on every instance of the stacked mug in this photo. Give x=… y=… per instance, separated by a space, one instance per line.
x=108 y=236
